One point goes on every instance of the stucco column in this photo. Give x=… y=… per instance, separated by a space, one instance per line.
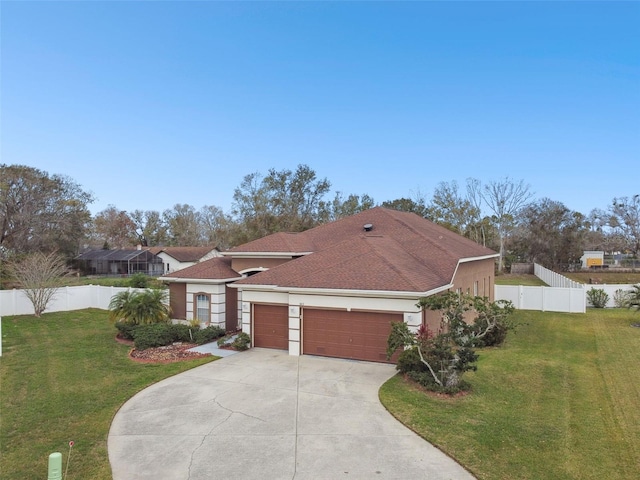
x=413 y=320
x=294 y=330
x=246 y=318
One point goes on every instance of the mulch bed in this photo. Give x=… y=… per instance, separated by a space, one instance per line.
x=171 y=353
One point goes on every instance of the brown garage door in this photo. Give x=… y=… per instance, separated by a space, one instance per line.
x=271 y=326
x=356 y=335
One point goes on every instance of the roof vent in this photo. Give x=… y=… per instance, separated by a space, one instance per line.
x=368 y=227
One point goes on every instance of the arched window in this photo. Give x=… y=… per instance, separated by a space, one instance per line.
x=202 y=310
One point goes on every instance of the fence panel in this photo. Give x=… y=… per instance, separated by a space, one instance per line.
x=15 y=302
x=554 y=279
x=550 y=299
x=611 y=291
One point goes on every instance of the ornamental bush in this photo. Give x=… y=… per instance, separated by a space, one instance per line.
x=597 y=297
x=139 y=280
x=125 y=330
x=182 y=333
x=208 y=334
x=409 y=361
x=241 y=342
x=151 y=336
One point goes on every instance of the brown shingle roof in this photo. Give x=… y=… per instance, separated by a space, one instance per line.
x=402 y=252
x=216 y=268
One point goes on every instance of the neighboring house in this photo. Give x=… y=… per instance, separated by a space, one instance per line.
x=592 y=259
x=119 y=262
x=334 y=290
x=177 y=258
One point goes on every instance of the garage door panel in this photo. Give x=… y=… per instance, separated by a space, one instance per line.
x=271 y=326
x=355 y=335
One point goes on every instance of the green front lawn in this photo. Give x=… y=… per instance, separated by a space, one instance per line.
x=62 y=378
x=519 y=279
x=560 y=400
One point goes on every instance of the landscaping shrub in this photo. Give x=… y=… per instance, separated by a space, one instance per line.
x=241 y=342
x=161 y=334
x=426 y=380
x=494 y=336
x=139 y=280
x=140 y=307
x=182 y=333
x=409 y=361
x=621 y=298
x=151 y=336
x=208 y=334
x=125 y=330
x=597 y=297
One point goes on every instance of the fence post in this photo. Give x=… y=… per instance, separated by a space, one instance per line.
x=520 y=296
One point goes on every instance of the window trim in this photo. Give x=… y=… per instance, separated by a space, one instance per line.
x=196 y=307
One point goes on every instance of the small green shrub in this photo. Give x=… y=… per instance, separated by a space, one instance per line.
x=409 y=361
x=151 y=336
x=208 y=334
x=597 y=297
x=125 y=330
x=139 y=280
x=425 y=379
x=182 y=333
x=494 y=337
x=621 y=298
x=241 y=342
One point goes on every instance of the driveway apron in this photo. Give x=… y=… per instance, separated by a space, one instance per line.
x=262 y=414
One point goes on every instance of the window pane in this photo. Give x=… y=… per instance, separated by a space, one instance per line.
x=202 y=308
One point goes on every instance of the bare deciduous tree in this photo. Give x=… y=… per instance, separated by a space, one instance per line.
x=625 y=220
x=505 y=198
x=39 y=274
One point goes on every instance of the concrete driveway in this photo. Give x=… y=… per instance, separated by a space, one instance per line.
x=262 y=414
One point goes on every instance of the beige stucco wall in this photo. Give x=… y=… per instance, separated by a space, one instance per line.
x=469 y=277
x=217 y=304
x=482 y=272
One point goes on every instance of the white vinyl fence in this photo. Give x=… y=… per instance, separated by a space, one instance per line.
x=611 y=291
x=15 y=302
x=563 y=294
x=554 y=279
x=545 y=299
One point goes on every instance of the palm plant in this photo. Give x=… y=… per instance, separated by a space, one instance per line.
x=138 y=308
x=633 y=298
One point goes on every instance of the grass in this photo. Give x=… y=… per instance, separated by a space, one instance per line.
x=560 y=400
x=108 y=281
x=519 y=279
x=63 y=378
x=606 y=277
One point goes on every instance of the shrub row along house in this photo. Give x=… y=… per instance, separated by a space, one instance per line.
x=335 y=289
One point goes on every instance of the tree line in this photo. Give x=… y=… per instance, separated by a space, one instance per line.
x=48 y=212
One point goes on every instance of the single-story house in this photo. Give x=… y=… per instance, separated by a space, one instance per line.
x=119 y=262
x=335 y=289
x=177 y=258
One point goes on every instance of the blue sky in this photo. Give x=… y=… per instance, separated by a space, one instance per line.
x=149 y=104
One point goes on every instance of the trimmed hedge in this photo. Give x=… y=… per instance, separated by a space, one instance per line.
x=208 y=334
x=161 y=334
